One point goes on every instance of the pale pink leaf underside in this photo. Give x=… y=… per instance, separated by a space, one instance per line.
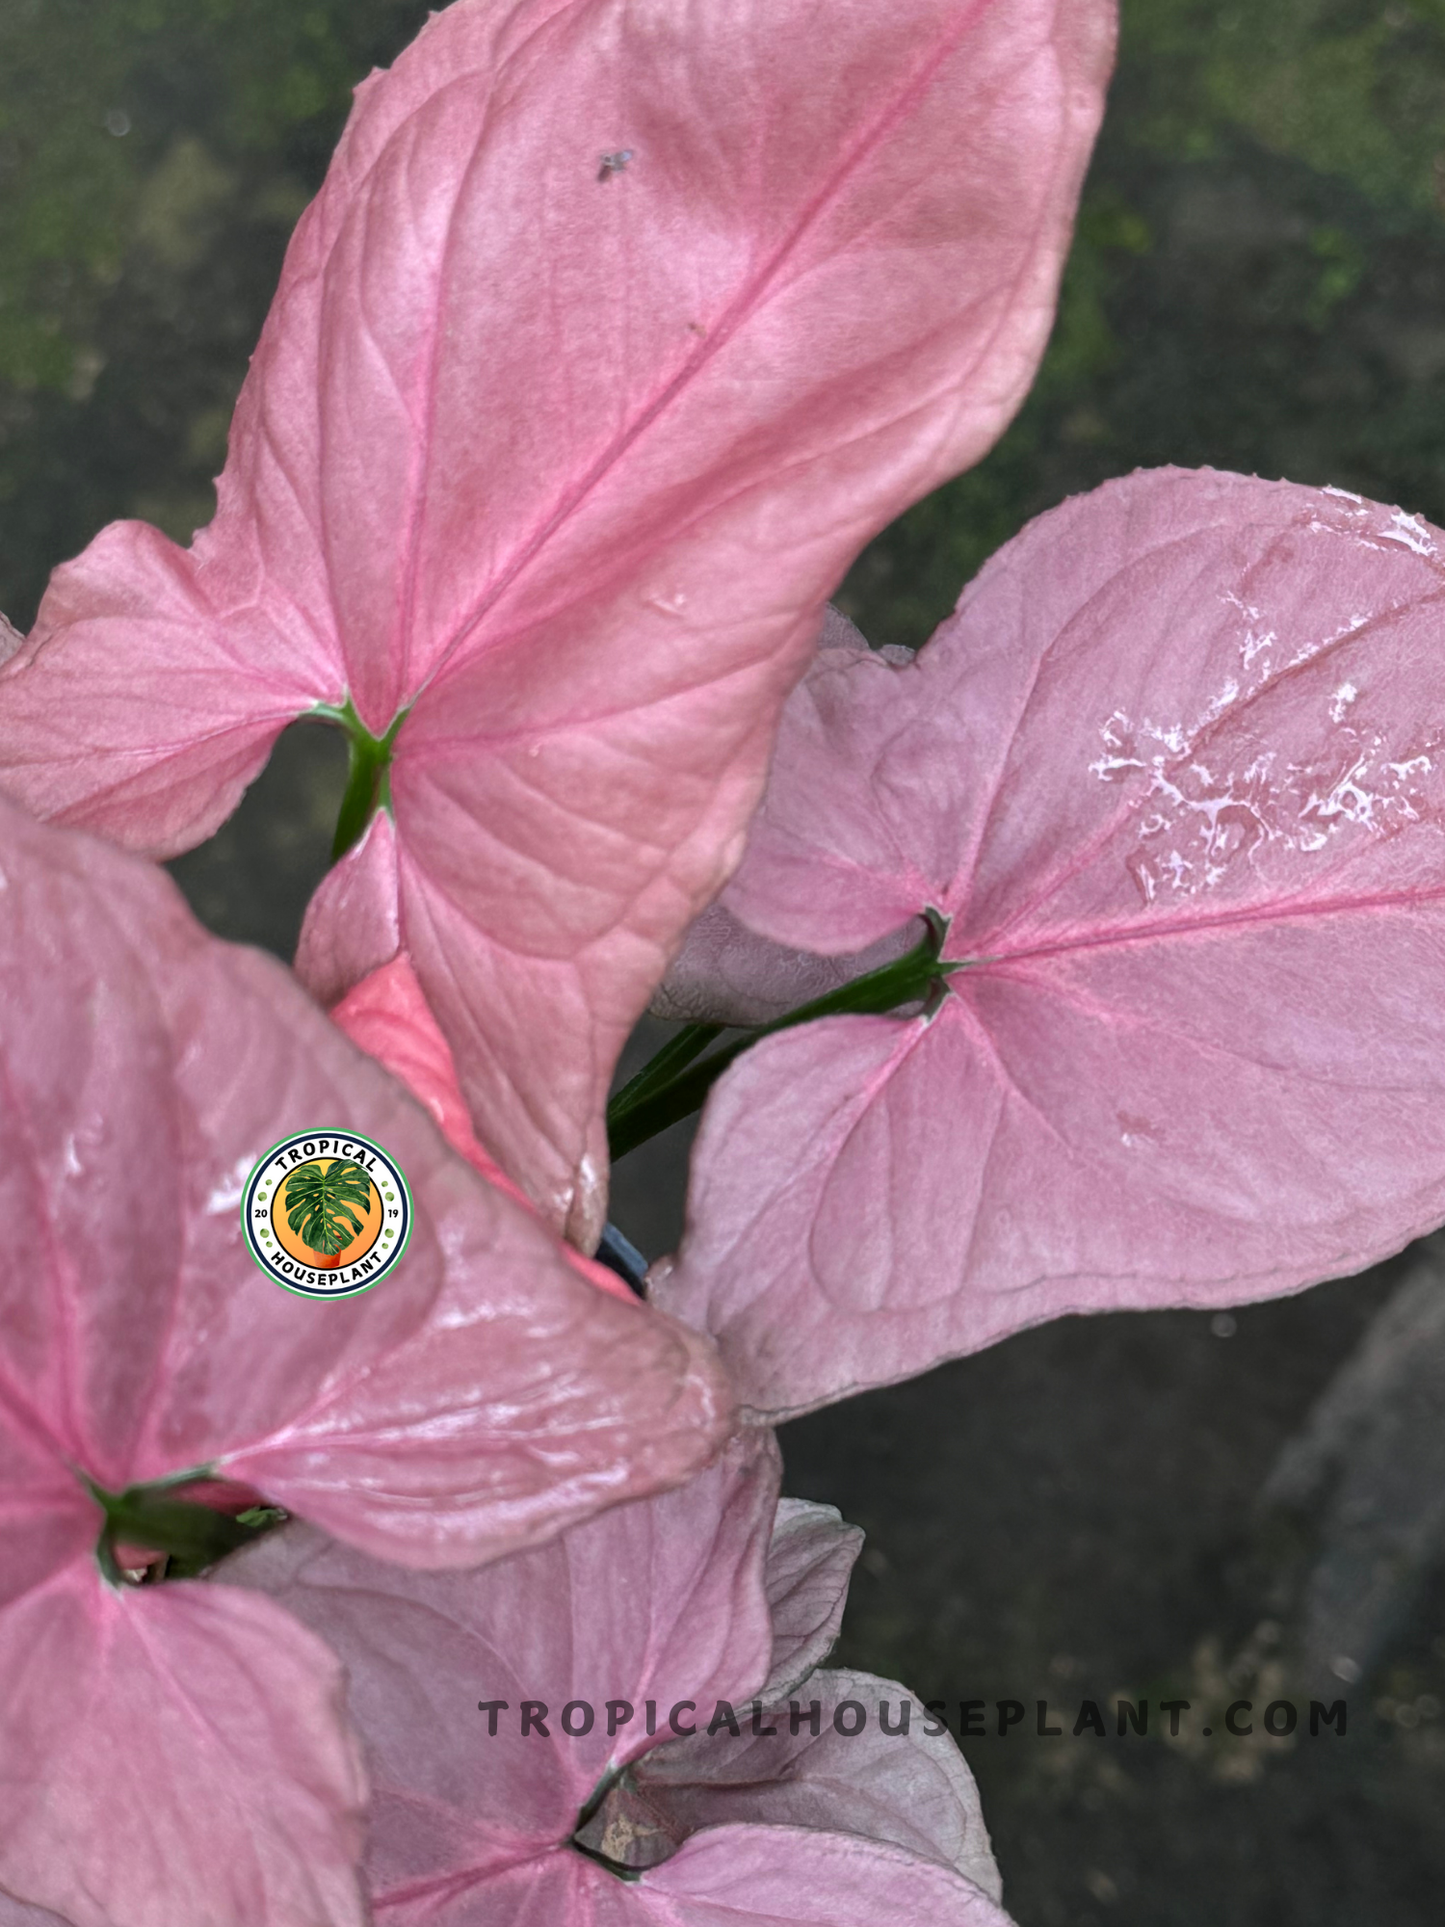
x=1176 y=770
x=782 y=1876
x=727 y=1877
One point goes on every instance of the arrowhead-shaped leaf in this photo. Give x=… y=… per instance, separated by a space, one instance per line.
x=652 y=1608
x=1176 y=772
x=566 y=454
x=171 y=1759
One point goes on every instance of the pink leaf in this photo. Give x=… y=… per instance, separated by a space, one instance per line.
x=810 y=1561
x=1173 y=772
x=353 y=921
x=653 y=1609
x=780 y=1876
x=481 y=1398
x=727 y=974
x=724 y=972
x=15 y=1913
x=565 y=452
x=387 y=1016
x=660 y=1601
x=483 y=1395
x=906 y=1787
x=175 y=1754
x=152 y=687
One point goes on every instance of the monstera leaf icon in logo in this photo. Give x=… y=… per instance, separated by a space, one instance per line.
x=326 y=1213
x=317 y=1201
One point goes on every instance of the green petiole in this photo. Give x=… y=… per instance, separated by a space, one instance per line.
x=368 y=779
x=674 y=1085
x=192 y=1536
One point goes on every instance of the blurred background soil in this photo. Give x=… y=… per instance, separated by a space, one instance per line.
x=1171 y=1506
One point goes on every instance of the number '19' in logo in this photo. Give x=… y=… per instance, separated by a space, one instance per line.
x=326 y=1213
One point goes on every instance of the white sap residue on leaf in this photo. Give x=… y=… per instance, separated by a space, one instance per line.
x=1111 y=767
x=227 y=1194
x=1198 y=822
x=1199 y=819
x=1141 y=868
x=1216 y=709
x=71 y=1159
x=670 y=602
x=1410 y=532
x=1348 y=798
x=1343 y=494
x=1312 y=649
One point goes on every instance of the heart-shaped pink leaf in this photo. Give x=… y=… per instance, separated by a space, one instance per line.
x=1176 y=773
x=606 y=345
x=654 y=1611
x=171 y=1757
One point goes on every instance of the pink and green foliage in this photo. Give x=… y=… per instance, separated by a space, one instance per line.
x=1173 y=775
x=610 y=339
x=175 y=1752
x=727 y=1598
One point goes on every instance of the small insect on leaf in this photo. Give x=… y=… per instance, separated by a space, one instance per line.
x=318 y=1198
x=614 y=163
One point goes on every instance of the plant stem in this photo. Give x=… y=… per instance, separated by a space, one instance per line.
x=675 y=1054
x=368 y=780
x=672 y=1086
x=193 y=1536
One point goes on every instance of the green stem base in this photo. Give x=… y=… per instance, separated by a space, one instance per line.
x=368 y=779
x=673 y=1085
